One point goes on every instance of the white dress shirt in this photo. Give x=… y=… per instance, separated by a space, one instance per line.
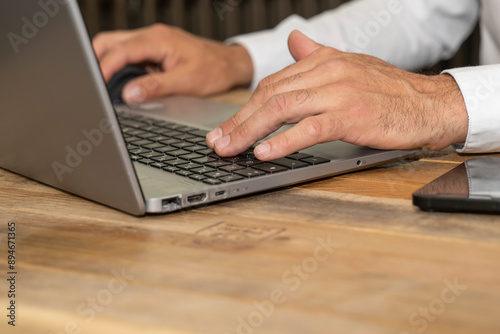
x=410 y=34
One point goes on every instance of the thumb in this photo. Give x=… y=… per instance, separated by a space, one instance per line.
x=301 y=46
x=155 y=85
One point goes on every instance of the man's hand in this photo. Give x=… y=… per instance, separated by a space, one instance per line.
x=186 y=64
x=333 y=95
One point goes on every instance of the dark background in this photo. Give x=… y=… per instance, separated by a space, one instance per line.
x=220 y=19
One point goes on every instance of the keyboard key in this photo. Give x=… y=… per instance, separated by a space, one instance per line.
x=146 y=135
x=150 y=128
x=158 y=165
x=133 y=124
x=135 y=157
x=197 y=177
x=139 y=151
x=235 y=159
x=170 y=141
x=316 y=160
x=206 y=151
x=250 y=172
x=183 y=173
x=136 y=132
x=231 y=168
x=194 y=140
x=165 y=149
x=218 y=163
x=142 y=142
x=176 y=162
x=203 y=170
x=150 y=155
x=231 y=178
x=183 y=136
x=199 y=133
x=163 y=158
x=189 y=166
x=191 y=156
x=158 y=138
x=270 y=168
x=170 y=169
x=166 y=132
x=153 y=146
x=289 y=163
x=194 y=148
x=217 y=174
x=205 y=160
x=161 y=123
x=131 y=139
x=181 y=144
x=173 y=133
x=146 y=161
x=299 y=156
x=178 y=152
x=250 y=163
x=212 y=182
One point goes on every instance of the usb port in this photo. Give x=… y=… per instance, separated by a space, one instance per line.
x=220 y=193
x=171 y=204
x=197 y=198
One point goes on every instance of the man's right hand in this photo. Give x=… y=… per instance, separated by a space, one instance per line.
x=186 y=64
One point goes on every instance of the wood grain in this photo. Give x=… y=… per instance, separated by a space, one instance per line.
x=347 y=254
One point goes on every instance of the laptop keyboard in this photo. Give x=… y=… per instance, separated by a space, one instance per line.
x=182 y=150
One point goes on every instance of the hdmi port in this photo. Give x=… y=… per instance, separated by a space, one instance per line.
x=197 y=198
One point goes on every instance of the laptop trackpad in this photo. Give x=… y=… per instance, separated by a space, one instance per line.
x=156 y=183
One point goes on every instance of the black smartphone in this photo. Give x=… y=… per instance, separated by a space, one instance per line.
x=473 y=186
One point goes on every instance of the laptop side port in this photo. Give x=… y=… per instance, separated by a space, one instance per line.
x=171 y=204
x=198 y=198
x=220 y=193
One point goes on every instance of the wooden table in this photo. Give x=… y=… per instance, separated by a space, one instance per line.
x=348 y=254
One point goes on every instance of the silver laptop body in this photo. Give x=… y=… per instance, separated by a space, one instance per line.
x=58 y=125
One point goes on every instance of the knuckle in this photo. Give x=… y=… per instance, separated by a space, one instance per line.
x=313 y=129
x=159 y=27
x=245 y=132
x=264 y=93
x=279 y=106
x=303 y=96
x=264 y=83
x=286 y=141
x=151 y=85
x=234 y=121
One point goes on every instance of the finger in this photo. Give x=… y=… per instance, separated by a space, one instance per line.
x=308 y=132
x=133 y=51
x=282 y=109
x=159 y=84
x=301 y=46
x=300 y=81
x=102 y=42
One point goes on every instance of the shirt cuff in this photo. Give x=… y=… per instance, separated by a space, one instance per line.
x=480 y=87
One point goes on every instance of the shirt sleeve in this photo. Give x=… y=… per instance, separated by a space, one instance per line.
x=480 y=87
x=410 y=34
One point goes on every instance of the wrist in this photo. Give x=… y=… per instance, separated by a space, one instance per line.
x=451 y=118
x=240 y=65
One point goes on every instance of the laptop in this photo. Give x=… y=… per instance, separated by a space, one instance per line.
x=59 y=126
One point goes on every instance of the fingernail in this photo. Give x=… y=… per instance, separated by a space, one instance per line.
x=214 y=135
x=223 y=142
x=134 y=95
x=262 y=150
